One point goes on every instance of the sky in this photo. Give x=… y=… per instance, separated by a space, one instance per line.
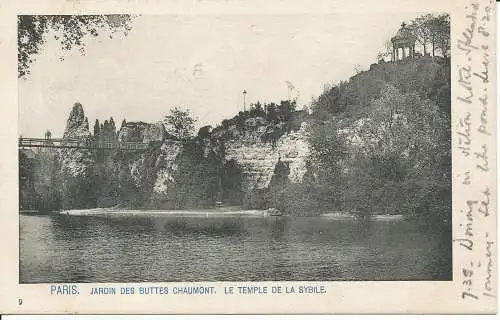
x=199 y=62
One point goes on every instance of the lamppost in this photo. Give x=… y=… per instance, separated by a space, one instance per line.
x=244 y=100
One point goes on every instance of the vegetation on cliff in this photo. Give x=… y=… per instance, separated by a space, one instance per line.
x=382 y=141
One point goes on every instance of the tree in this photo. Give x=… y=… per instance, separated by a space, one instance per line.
x=420 y=27
x=388 y=51
x=97 y=130
x=271 y=112
x=105 y=132
x=256 y=110
x=204 y=132
x=439 y=30
x=402 y=165
x=70 y=30
x=112 y=129
x=180 y=123
x=286 y=109
x=433 y=30
x=441 y=33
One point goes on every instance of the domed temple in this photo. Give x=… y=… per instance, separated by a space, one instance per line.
x=404 y=42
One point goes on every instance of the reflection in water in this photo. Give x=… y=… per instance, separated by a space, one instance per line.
x=278 y=226
x=62 y=248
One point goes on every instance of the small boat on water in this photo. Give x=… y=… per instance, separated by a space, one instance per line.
x=219 y=204
x=273 y=212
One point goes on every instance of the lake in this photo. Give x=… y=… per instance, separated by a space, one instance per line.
x=65 y=248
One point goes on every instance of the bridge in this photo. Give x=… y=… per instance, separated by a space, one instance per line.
x=67 y=143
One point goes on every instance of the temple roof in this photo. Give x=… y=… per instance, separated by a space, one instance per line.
x=404 y=34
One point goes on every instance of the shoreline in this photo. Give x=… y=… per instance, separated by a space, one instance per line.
x=215 y=212
x=158 y=212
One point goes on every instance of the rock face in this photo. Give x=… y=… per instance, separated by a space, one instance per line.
x=77 y=164
x=77 y=126
x=142 y=132
x=231 y=166
x=167 y=165
x=259 y=159
x=150 y=172
x=179 y=173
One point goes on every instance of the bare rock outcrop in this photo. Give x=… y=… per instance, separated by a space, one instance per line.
x=77 y=164
x=258 y=159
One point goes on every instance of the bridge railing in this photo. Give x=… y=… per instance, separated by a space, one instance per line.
x=79 y=144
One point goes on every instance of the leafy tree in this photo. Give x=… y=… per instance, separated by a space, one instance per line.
x=403 y=158
x=180 y=123
x=329 y=151
x=271 y=112
x=257 y=110
x=70 y=30
x=97 y=130
x=286 y=109
x=441 y=33
x=105 y=132
x=204 y=132
x=433 y=30
x=27 y=196
x=196 y=179
x=387 y=53
x=225 y=123
x=420 y=27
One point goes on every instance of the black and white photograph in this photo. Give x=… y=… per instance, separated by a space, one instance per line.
x=234 y=147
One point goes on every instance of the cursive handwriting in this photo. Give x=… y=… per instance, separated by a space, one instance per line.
x=465 y=43
x=464 y=134
x=488 y=284
x=484 y=115
x=464 y=75
x=482 y=157
x=474 y=142
x=467 y=242
x=484 y=205
x=483 y=75
x=466 y=179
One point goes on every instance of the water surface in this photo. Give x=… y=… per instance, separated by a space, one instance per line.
x=65 y=248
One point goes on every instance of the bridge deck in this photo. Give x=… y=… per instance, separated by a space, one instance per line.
x=78 y=144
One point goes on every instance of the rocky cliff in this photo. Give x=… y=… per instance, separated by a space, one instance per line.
x=258 y=159
x=235 y=166
x=77 y=165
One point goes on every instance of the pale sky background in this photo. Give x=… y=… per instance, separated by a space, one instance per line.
x=141 y=76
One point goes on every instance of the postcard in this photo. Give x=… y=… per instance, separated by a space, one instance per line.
x=237 y=157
